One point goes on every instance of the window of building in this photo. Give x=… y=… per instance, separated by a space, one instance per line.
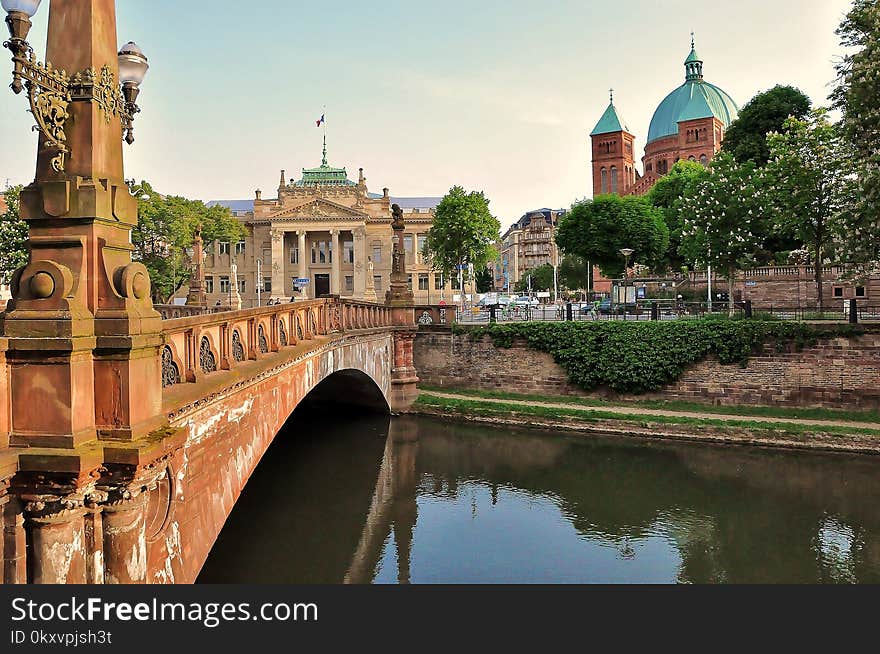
x=209 y=285
x=377 y=254
x=604 y=175
x=423 y=282
x=267 y=255
x=242 y=286
x=267 y=284
x=613 y=179
x=224 y=247
x=348 y=252
x=294 y=254
x=377 y=283
x=838 y=291
x=422 y=241
x=454 y=283
x=860 y=291
x=349 y=283
x=409 y=282
x=649 y=168
x=408 y=244
x=224 y=284
x=438 y=282
x=692 y=158
x=704 y=160
x=239 y=248
x=322 y=252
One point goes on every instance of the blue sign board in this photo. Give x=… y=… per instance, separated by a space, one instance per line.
x=301 y=281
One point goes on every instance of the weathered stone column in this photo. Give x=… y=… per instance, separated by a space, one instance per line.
x=278 y=281
x=12 y=539
x=360 y=264
x=196 y=296
x=303 y=261
x=336 y=263
x=125 y=545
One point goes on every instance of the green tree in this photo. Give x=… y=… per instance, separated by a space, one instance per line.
x=542 y=279
x=462 y=233
x=810 y=187
x=598 y=229
x=667 y=196
x=857 y=95
x=485 y=281
x=14 y=250
x=746 y=138
x=724 y=223
x=166 y=227
x=574 y=273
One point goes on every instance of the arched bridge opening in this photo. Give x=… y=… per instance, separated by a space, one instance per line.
x=346 y=392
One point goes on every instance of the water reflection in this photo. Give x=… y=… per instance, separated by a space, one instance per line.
x=423 y=501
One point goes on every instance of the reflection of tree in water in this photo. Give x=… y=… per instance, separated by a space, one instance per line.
x=734 y=514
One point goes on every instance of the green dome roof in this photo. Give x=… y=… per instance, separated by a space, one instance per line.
x=694 y=99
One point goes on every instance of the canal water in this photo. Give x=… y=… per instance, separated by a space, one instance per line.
x=420 y=500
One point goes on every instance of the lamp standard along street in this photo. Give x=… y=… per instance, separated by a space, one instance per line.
x=627 y=253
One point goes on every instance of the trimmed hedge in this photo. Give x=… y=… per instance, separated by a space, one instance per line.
x=637 y=357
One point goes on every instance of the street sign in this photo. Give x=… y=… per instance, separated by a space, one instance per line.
x=301 y=281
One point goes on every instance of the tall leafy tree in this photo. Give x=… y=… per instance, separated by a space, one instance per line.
x=462 y=233
x=14 y=249
x=746 y=138
x=857 y=95
x=667 y=195
x=724 y=222
x=166 y=228
x=598 y=229
x=811 y=189
x=574 y=272
x=484 y=280
x=541 y=279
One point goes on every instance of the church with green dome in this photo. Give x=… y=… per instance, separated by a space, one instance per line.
x=690 y=123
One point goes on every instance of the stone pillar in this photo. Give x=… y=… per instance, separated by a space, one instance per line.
x=360 y=265
x=303 y=262
x=57 y=547
x=404 y=378
x=83 y=334
x=125 y=544
x=196 y=296
x=336 y=267
x=234 y=295
x=12 y=538
x=279 y=283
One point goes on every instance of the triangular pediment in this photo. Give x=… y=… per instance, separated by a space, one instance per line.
x=319 y=208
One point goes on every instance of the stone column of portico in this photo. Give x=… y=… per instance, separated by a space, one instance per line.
x=303 y=261
x=336 y=261
x=360 y=263
x=279 y=287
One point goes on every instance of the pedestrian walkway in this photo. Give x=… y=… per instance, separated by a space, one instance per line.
x=625 y=410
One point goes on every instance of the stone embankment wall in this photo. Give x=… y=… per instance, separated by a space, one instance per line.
x=834 y=373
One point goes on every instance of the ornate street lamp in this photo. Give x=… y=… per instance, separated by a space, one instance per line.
x=50 y=91
x=627 y=253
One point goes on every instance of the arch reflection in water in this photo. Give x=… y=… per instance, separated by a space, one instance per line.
x=373 y=499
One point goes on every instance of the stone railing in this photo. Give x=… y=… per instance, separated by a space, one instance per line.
x=197 y=346
x=776 y=272
x=171 y=311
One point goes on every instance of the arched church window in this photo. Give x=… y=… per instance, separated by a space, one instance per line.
x=613 y=179
x=604 y=175
x=704 y=160
x=692 y=158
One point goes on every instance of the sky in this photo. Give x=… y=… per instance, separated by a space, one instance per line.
x=497 y=96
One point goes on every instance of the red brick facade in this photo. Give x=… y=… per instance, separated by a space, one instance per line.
x=613 y=163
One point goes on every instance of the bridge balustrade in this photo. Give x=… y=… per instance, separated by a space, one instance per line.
x=195 y=346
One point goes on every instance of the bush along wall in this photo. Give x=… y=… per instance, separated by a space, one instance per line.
x=638 y=357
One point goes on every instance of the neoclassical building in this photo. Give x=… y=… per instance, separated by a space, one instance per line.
x=528 y=243
x=689 y=124
x=328 y=230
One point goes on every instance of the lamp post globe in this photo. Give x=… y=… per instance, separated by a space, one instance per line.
x=133 y=64
x=27 y=7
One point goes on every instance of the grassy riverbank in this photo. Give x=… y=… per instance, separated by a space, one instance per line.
x=839 y=431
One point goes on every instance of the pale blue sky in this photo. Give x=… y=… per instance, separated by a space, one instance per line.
x=498 y=96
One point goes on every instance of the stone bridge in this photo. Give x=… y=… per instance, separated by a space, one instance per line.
x=125 y=439
x=147 y=510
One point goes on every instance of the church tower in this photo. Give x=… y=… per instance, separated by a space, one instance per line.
x=613 y=154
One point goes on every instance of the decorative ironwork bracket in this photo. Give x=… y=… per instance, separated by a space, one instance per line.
x=50 y=92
